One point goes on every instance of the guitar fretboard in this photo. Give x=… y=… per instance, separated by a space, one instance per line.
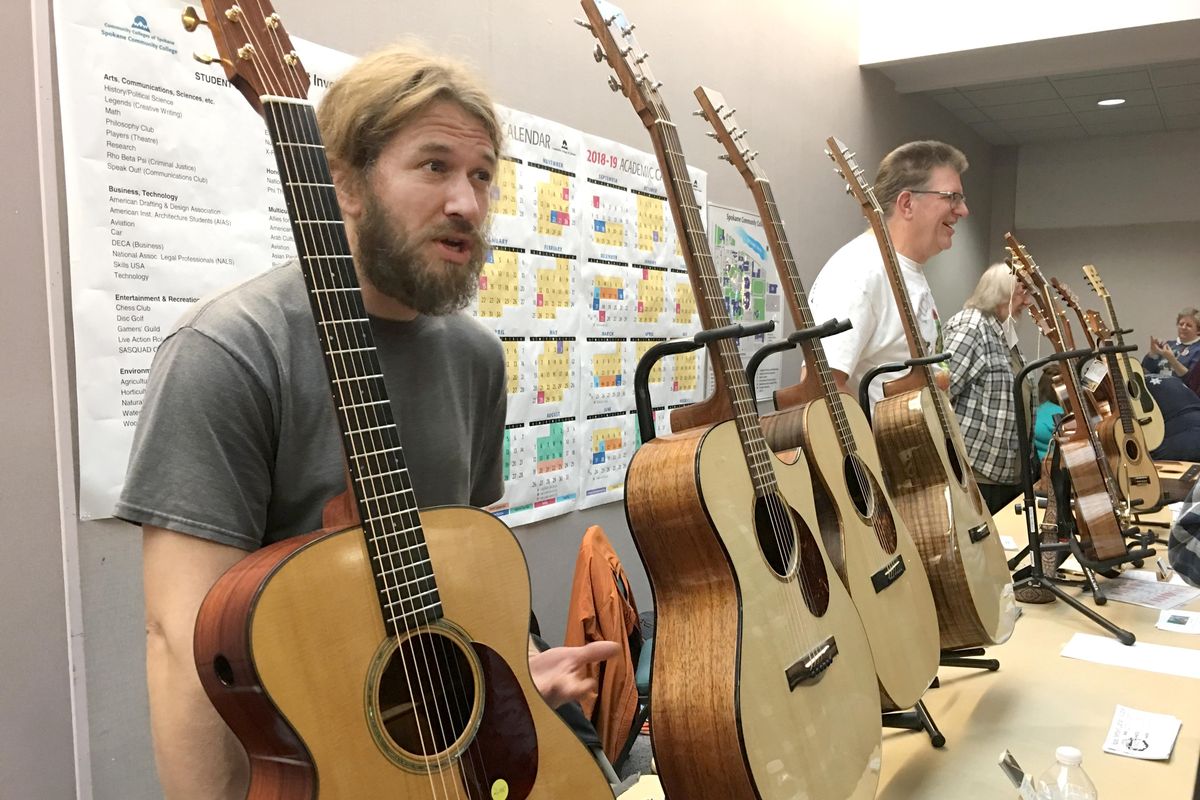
x=408 y=594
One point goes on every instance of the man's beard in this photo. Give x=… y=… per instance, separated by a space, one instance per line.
x=390 y=258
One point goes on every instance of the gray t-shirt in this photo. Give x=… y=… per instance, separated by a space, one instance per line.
x=237 y=441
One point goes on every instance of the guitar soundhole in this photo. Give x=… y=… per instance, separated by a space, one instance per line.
x=776 y=538
x=426 y=694
x=856 y=483
x=224 y=670
x=1132 y=451
x=955 y=465
x=781 y=531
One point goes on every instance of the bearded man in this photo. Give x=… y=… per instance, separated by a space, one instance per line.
x=237 y=445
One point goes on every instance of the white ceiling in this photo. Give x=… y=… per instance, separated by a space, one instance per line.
x=1158 y=97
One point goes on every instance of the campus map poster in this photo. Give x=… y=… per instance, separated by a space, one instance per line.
x=172 y=195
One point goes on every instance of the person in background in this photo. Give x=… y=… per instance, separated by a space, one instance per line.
x=1180 y=409
x=1183 y=551
x=919 y=187
x=1175 y=357
x=983 y=362
x=1048 y=409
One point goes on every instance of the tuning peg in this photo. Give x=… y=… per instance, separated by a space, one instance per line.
x=699 y=112
x=626 y=51
x=711 y=134
x=724 y=156
x=611 y=20
x=192 y=19
x=628 y=31
x=583 y=23
x=613 y=84
x=848 y=189
x=828 y=153
x=656 y=86
x=732 y=111
x=641 y=58
x=752 y=156
x=719 y=109
x=207 y=59
x=598 y=54
x=741 y=135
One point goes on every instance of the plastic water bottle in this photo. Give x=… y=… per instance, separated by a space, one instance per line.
x=1065 y=778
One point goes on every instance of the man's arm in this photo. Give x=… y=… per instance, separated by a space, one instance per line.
x=196 y=753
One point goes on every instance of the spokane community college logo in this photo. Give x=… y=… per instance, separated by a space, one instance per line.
x=140 y=24
x=138 y=32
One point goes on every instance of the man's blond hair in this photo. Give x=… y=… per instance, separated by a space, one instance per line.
x=387 y=90
x=909 y=167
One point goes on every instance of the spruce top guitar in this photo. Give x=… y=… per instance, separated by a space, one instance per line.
x=927 y=473
x=764 y=687
x=865 y=537
x=1146 y=411
x=1096 y=496
x=373 y=661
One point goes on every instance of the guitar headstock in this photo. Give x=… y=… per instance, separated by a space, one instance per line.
x=254 y=49
x=1093 y=279
x=1097 y=326
x=725 y=130
x=1067 y=294
x=1036 y=308
x=852 y=174
x=618 y=46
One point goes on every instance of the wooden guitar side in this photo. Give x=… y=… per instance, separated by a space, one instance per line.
x=900 y=621
x=300 y=631
x=726 y=723
x=953 y=530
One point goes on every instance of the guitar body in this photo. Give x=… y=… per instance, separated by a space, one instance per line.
x=900 y=619
x=936 y=495
x=1145 y=411
x=292 y=650
x=1135 y=474
x=728 y=723
x=1095 y=516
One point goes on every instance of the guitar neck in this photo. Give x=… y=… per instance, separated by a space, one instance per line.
x=710 y=300
x=814 y=350
x=382 y=487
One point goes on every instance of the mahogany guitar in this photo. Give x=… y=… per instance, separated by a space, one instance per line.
x=762 y=674
x=375 y=660
x=926 y=471
x=1134 y=473
x=867 y=540
x=1096 y=496
x=1146 y=411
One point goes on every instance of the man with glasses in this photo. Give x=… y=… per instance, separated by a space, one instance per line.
x=919 y=188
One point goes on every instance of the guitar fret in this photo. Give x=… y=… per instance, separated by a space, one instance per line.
x=410 y=598
x=359 y=431
x=349 y=350
x=396 y=449
x=409 y=565
x=365 y=478
x=382 y=517
x=357 y=378
x=364 y=405
x=300 y=144
x=350 y=289
x=346 y=321
x=308 y=183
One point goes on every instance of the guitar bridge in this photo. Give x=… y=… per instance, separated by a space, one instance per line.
x=813 y=664
x=888 y=575
x=979 y=533
x=1140 y=480
x=1144 y=420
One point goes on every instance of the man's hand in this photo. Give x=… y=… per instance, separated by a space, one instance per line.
x=558 y=672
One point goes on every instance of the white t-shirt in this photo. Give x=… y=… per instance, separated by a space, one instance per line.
x=853 y=285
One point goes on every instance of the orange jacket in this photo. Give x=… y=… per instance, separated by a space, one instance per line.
x=598 y=612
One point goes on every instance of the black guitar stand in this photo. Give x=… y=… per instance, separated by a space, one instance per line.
x=1034 y=576
x=828 y=328
x=641 y=376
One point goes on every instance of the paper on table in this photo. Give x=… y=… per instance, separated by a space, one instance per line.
x=1151 y=594
x=1149 y=657
x=1179 y=621
x=1141 y=734
x=1140 y=575
x=1008 y=542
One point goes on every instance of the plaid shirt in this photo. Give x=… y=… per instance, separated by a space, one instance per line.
x=981 y=391
x=1183 y=551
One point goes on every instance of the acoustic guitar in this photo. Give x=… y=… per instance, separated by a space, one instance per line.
x=1096 y=496
x=927 y=473
x=762 y=676
x=1134 y=473
x=1146 y=411
x=865 y=537
x=389 y=658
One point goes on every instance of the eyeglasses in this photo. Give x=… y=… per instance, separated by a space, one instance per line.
x=956 y=198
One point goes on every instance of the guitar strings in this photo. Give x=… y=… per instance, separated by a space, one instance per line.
x=349 y=310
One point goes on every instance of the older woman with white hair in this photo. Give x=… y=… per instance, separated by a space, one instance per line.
x=983 y=359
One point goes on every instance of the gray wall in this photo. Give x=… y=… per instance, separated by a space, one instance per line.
x=1127 y=204
x=789 y=67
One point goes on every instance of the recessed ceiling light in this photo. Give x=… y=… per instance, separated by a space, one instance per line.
x=1112 y=101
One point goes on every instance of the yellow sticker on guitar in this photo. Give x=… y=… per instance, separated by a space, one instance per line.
x=500 y=790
